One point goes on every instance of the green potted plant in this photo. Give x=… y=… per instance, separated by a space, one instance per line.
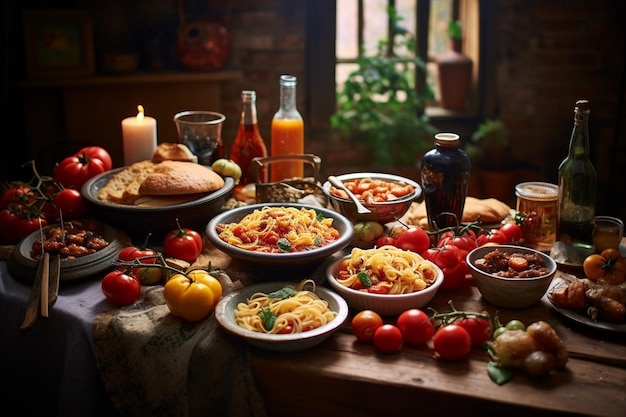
x=379 y=104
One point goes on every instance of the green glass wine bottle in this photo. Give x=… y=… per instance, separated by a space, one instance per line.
x=577 y=180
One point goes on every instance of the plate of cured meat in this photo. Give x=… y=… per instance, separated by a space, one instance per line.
x=85 y=248
x=588 y=303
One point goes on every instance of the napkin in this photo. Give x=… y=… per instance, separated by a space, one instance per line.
x=154 y=364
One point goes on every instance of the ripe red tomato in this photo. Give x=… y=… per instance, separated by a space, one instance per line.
x=452 y=342
x=71 y=204
x=386 y=240
x=183 y=243
x=494 y=236
x=388 y=338
x=415 y=326
x=364 y=324
x=452 y=262
x=120 y=289
x=17 y=194
x=414 y=239
x=75 y=170
x=512 y=232
x=478 y=328
x=146 y=275
x=26 y=226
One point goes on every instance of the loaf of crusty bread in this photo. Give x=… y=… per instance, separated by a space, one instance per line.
x=123 y=186
x=176 y=178
x=168 y=151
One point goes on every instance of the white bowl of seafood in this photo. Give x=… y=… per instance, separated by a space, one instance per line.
x=387 y=280
x=282 y=316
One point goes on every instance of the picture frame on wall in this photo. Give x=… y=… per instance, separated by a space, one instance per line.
x=58 y=43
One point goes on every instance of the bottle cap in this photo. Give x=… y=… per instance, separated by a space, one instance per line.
x=447 y=139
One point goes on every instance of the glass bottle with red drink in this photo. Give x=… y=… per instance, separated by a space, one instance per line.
x=287 y=133
x=248 y=143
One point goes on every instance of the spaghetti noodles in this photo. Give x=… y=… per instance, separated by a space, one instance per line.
x=279 y=230
x=386 y=270
x=289 y=310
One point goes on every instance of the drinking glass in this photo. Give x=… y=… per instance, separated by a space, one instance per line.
x=201 y=131
x=607 y=232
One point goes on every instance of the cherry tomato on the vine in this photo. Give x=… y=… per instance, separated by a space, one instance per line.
x=414 y=239
x=388 y=338
x=452 y=262
x=512 y=232
x=120 y=289
x=478 y=328
x=386 y=240
x=145 y=275
x=415 y=326
x=26 y=226
x=365 y=323
x=452 y=342
x=71 y=204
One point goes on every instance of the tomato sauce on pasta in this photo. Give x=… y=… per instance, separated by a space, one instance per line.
x=279 y=230
x=387 y=270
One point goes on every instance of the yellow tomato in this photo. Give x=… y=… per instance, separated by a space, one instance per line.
x=227 y=168
x=192 y=296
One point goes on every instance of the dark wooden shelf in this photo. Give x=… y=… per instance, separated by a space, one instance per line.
x=131 y=79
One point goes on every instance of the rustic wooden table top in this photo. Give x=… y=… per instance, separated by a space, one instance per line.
x=344 y=377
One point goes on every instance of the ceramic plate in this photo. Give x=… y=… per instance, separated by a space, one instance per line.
x=580 y=318
x=22 y=265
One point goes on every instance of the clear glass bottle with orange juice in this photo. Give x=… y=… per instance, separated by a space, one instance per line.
x=287 y=133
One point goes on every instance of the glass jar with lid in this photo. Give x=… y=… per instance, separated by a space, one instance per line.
x=538 y=201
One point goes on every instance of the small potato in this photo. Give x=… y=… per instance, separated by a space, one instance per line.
x=512 y=346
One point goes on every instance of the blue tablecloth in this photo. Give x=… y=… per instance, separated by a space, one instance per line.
x=50 y=369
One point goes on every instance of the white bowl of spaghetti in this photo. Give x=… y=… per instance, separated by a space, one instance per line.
x=387 y=280
x=313 y=312
x=277 y=240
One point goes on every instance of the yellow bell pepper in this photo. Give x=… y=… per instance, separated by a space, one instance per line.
x=192 y=296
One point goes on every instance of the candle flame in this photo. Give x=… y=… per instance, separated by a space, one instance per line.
x=140 y=112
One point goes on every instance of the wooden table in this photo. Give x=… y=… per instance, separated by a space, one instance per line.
x=343 y=377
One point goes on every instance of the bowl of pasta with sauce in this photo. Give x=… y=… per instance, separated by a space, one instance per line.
x=387 y=196
x=254 y=314
x=388 y=280
x=279 y=240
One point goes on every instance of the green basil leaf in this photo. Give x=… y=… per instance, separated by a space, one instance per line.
x=284 y=245
x=364 y=278
x=268 y=318
x=283 y=293
x=498 y=374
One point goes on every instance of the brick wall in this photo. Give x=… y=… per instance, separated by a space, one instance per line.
x=549 y=53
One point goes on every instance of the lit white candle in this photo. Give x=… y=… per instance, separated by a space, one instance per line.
x=140 y=137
